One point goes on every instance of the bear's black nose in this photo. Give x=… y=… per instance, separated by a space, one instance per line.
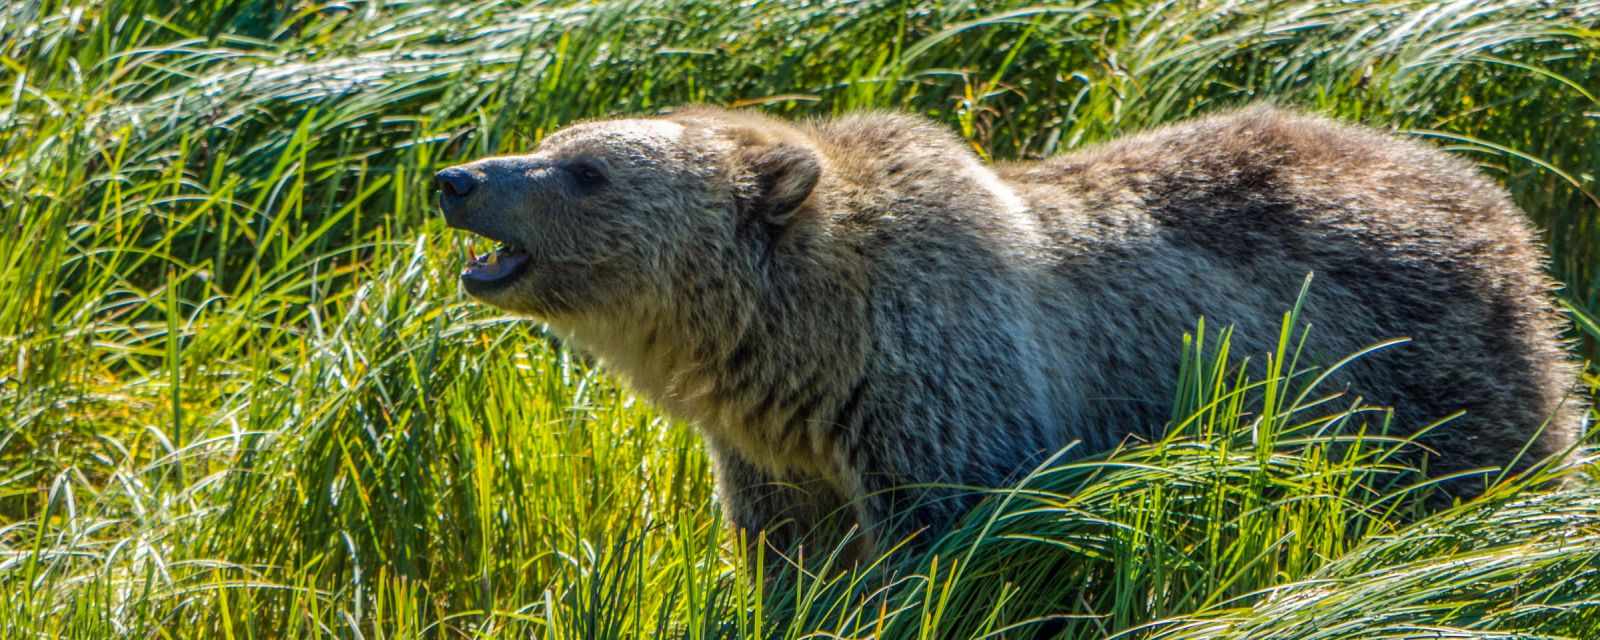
x=455 y=182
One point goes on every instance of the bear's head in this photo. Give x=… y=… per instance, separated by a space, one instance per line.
x=603 y=214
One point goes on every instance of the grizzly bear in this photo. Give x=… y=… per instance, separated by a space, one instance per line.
x=862 y=317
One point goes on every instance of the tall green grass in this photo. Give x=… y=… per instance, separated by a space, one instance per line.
x=241 y=395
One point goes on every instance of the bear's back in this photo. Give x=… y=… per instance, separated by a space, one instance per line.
x=1225 y=216
x=1075 y=277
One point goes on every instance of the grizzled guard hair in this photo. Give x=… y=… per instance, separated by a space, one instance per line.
x=858 y=313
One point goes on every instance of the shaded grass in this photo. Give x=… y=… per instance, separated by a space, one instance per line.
x=240 y=393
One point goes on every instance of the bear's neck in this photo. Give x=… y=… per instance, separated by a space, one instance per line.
x=757 y=356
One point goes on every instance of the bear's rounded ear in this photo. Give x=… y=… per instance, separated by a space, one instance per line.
x=783 y=176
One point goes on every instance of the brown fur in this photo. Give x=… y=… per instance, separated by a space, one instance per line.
x=859 y=315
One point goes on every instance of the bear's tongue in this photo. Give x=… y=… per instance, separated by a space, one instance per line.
x=502 y=263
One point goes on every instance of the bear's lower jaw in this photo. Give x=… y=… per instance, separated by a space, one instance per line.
x=491 y=272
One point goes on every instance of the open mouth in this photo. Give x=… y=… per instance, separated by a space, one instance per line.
x=494 y=269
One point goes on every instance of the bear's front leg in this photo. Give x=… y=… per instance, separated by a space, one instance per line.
x=801 y=520
x=898 y=509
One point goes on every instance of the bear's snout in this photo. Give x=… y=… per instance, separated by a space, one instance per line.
x=454 y=185
x=455 y=182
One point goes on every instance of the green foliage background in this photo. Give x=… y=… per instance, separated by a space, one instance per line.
x=241 y=396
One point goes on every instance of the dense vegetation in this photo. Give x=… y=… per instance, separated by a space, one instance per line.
x=241 y=395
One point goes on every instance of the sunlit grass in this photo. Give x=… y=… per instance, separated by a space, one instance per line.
x=241 y=395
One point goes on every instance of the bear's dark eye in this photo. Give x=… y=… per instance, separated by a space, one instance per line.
x=586 y=174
